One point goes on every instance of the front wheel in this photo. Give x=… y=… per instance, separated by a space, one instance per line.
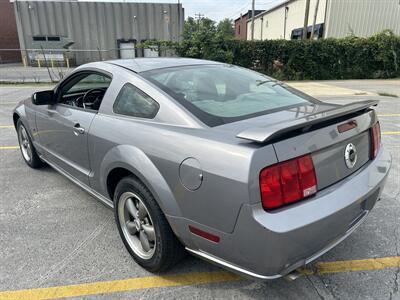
x=28 y=152
x=144 y=228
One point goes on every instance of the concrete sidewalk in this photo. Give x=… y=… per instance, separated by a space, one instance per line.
x=20 y=74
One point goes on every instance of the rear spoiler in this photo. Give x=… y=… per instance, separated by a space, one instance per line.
x=272 y=132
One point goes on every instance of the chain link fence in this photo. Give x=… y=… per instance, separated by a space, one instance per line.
x=51 y=65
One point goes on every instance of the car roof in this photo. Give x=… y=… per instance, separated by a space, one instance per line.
x=138 y=65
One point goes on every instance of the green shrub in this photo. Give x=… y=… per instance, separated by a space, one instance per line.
x=346 y=58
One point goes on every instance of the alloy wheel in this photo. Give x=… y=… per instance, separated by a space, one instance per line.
x=25 y=144
x=137 y=225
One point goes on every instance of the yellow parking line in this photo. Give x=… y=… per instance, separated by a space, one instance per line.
x=353 y=265
x=6 y=126
x=388 y=115
x=105 y=287
x=78 y=290
x=390 y=132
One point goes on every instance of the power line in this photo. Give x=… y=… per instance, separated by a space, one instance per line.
x=238 y=11
x=198 y=16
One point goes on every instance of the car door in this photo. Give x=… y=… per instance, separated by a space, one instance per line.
x=63 y=127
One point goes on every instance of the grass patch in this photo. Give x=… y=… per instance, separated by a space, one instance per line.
x=387 y=94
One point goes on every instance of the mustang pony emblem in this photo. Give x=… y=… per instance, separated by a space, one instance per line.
x=350 y=155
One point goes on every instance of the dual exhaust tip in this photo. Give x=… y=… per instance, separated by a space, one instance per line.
x=292 y=276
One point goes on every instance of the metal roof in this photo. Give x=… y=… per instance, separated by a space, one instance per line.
x=284 y=3
x=138 y=65
x=249 y=12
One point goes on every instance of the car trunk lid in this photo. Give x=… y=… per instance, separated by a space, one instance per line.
x=308 y=122
x=326 y=136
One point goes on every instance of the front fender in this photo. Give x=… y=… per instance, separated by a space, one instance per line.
x=20 y=111
x=136 y=161
x=27 y=115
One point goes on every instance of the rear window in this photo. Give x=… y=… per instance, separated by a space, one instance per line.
x=220 y=94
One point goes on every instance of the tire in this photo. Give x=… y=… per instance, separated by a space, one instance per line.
x=28 y=151
x=165 y=249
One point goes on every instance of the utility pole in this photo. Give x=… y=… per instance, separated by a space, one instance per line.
x=306 y=19
x=314 y=20
x=252 y=19
x=198 y=16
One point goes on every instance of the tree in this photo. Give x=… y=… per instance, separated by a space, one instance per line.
x=225 y=29
x=204 y=39
x=198 y=29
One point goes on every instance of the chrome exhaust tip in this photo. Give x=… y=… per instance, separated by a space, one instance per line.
x=292 y=276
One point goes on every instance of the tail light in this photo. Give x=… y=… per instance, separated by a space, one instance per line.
x=375 y=139
x=287 y=182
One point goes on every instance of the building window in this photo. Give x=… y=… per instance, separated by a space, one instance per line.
x=42 y=38
x=239 y=29
x=39 y=38
x=53 y=38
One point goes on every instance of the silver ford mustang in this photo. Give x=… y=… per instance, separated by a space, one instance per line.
x=229 y=164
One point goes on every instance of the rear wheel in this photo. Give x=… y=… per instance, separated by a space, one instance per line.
x=28 y=152
x=144 y=228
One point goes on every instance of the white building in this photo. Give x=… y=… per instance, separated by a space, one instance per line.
x=335 y=18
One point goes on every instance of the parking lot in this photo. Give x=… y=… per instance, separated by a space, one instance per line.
x=58 y=241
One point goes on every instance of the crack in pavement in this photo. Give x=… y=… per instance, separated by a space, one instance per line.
x=61 y=264
x=327 y=287
x=315 y=288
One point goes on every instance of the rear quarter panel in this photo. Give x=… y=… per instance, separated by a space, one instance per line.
x=155 y=152
x=154 y=149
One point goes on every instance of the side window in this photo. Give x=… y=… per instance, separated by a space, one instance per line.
x=90 y=81
x=133 y=102
x=85 y=90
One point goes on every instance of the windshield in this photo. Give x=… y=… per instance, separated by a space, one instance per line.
x=220 y=94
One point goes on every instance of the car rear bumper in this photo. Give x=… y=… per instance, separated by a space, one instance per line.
x=268 y=245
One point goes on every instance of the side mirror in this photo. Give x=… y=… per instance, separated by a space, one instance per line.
x=43 y=98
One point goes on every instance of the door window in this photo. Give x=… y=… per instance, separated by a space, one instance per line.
x=85 y=91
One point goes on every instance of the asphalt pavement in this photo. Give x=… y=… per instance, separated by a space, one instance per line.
x=58 y=241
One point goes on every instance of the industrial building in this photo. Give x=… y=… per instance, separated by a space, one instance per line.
x=77 y=32
x=241 y=24
x=334 y=18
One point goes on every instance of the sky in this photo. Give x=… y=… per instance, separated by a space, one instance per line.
x=213 y=9
x=220 y=9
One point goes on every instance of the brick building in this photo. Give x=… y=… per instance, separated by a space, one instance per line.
x=241 y=24
x=8 y=33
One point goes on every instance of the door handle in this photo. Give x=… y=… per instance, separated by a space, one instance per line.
x=78 y=129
